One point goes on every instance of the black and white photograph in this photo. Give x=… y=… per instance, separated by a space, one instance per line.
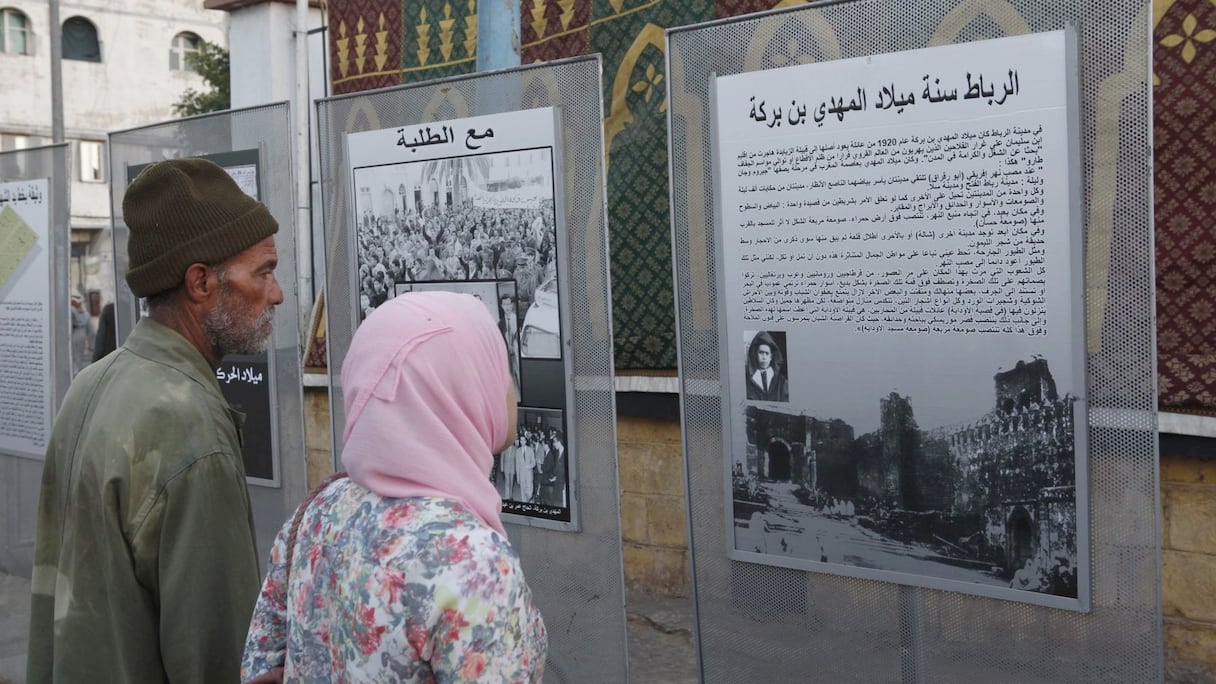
x=498 y=296
x=765 y=373
x=486 y=217
x=989 y=500
x=532 y=475
x=474 y=205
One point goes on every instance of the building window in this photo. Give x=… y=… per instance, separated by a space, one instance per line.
x=184 y=45
x=90 y=161
x=80 y=40
x=13 y=165
x=14 y=32
x=15 y=142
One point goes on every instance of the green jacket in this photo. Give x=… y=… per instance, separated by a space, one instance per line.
x=145 y=567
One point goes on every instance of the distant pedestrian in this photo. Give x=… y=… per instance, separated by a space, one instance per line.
x=106 y=340
x=81 y=352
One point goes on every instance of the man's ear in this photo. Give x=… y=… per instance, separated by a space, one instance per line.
x=201 y=283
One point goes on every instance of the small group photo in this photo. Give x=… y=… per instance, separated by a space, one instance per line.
x=534 y=469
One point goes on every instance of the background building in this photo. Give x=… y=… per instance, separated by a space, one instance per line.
x=124 y=65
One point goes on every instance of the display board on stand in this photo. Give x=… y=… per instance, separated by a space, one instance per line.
x=913 y=259
x=35 y=333
x=492 y=184
x=470 y=205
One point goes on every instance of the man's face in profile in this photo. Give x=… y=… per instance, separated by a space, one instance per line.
x=241 y=320
x=764 y=356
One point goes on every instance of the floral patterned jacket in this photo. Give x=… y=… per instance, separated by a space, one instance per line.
x=410 y=590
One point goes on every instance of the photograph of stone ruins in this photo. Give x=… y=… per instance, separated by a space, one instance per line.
x=990 y=501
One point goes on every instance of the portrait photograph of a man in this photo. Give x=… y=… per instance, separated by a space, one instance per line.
x=766 y=377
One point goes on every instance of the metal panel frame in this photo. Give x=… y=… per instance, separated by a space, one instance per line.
x=563 y=279
x=20 y=475
x=576 y=577
x=759 y=622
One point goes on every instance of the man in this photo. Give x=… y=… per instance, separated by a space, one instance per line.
x=509 y=463
x=525 y=465
x=527 y=279
x=508 y=322
x=765 y=379
x=553 y=473
x=145 y=568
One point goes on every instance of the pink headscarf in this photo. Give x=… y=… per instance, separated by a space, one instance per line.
x=425 y=384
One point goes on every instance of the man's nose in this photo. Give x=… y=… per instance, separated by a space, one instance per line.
x=276 y=292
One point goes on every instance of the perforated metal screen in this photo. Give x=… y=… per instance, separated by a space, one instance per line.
x=576 y=577
x=762 y=623
x=267 y=131
x=20 y=476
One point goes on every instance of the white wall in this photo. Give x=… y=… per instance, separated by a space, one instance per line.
x=131 y=86
x=262 y=39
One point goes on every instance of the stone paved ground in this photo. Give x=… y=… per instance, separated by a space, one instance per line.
x=14 y=624
x=660 y=639
x=660 y=636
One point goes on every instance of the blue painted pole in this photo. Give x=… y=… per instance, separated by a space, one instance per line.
x=498 y=31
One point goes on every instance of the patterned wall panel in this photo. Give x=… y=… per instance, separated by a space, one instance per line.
x=630 y=35
x=374 y=44
x=1184 y=113
x=552 y=29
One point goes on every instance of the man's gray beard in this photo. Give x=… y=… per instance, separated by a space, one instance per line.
x=228 y=332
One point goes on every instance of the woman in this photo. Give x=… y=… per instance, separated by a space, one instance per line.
x=403 y=571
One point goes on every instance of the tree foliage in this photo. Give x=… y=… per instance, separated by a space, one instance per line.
x=210 y=62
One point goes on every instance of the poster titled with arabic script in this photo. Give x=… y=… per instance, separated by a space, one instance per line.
x=901 y=249
x=469 y=205
x=26 y=403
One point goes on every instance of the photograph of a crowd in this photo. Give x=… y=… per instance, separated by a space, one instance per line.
x=473 y=218
x=532 y=474
x=989 y=500
x=484 y=224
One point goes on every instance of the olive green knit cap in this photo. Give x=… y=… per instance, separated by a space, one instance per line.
x=187 y=211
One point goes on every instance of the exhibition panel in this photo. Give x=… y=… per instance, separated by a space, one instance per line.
x=913 y=256
x=493 y=185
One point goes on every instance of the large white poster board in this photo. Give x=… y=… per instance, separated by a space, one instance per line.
x=471 y=205
x=900 y=245
x=26 y=404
